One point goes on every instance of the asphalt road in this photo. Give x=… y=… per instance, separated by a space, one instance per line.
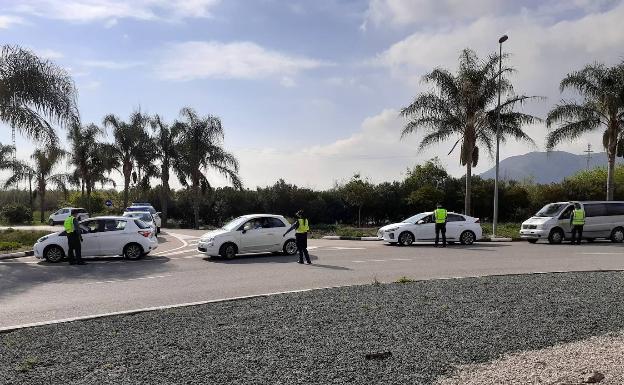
x=35 y=291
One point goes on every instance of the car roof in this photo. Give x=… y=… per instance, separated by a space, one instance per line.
x=251 y=216
x=108 y=217
x=137 y=212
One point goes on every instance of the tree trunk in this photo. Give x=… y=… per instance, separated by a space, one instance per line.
x=89 y=199
x=360 y=217
x=164 y=192
x=196 y=204
x=30 y=197
x=127 y=171
x=41 y=204
x=468 y=188
x=611 y=152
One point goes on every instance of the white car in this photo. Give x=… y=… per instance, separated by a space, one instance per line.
x=102 y=236
x=147 y=207
x=60 y=215
x=421 y=227
x=145 y=216
x=258 y=233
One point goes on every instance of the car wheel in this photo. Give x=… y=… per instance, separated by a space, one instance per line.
x=532 y=241
x=51 y=222
x=617 y=235
x=158 y=230
x=228 y=251
x=290 y=247
x=406 y=238
x=54 y=254
x=555 y=237
x=467 y=237
x=133 y=251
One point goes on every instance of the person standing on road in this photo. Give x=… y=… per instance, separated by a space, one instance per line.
x=74 y=239
x=440 y=224
x=577 y=221
x=302 y=226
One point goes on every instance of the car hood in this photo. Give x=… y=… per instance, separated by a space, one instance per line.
x=537 y=220
x=394 y=225
x=214 y=233
x=51 y=235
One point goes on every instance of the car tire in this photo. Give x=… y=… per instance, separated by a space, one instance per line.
x=51 y=222
x=290 y=247
x=533 y=241
x=467 y=238
x=406 y=238
x=556 y=236
x=228 y=251
x=53 y=254
x=133 y=251
x=617 y=235
x=157 y=230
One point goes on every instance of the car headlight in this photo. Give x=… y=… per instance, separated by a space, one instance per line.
x=207 y=239
x=391 y=229
x=42 y=239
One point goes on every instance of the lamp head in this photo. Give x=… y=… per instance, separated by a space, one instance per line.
x=503 y=39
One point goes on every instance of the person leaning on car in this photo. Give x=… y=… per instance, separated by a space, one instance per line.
x=302 y=226
x=440 y=224
x=74 y=239
x=577 y=221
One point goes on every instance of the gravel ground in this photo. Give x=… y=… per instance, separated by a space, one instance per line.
x=571 y=363
x=431 y=328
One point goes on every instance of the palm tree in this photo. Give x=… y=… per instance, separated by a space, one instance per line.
x=165 y=139
x=6 y=154
x=145 y=166
x=34 y=92
x=90 y=157
x=41 y=171
x=127 y=144
x=199 y=148
x=602 y=105
x=464 y=105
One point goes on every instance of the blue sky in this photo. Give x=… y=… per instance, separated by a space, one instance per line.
x=320 y=80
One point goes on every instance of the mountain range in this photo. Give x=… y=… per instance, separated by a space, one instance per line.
x=546 y=167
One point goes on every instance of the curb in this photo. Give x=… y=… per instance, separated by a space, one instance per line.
x=21 y=254
x=499 y=239
x=336 y=238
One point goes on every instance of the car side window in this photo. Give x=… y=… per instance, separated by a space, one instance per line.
x=567 y=213
x=271 y=222
x=114 y=225
x=252 y=224
x=455 y=218
x=428 y=219
x=90 y=226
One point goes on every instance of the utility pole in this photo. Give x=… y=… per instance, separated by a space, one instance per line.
x=500 y=71
x=588 y=152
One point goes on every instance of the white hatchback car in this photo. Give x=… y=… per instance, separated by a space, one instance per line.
x=421 y=227
x=144 y=216
x=150 y=209
x=258 y=233
x=59 y=216
x=102 y=236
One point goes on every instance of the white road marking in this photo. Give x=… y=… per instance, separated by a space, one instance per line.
x=377 y=260
x=130 y=279
x=193 y=250
x=358 y=261
x=179 y=237
x=347 y=248
x=400 y=259
x=602 y=253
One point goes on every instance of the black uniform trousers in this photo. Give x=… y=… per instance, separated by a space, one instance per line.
x=302 y=246
x=577 y=230
x=75 y=248
x=440 y=228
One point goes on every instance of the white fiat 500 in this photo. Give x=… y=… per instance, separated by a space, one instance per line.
x=421 y=227
x=258 y=233
x=101 y=236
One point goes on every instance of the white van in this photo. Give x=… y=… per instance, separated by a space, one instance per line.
x=603 y=219
x=58 y=217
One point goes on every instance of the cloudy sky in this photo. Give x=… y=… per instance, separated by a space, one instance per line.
x=308 y=91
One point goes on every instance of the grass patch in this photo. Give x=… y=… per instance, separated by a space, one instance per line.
x=404 y=280
x=506 y=230
x=19 y=240
x=320 y=231
x=27 y=365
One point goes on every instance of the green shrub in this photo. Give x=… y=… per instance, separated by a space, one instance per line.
x=22 y=238
x=8 y=246
x=16 y=214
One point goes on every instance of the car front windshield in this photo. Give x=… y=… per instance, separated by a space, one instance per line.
x=415 y=218
x=234 y=223
x=551 y=210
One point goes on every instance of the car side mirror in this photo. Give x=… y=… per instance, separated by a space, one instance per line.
x=420 y=222
x=244 y=231
x=158 y=212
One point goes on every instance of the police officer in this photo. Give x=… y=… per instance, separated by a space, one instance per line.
x=577 y=221
x=74 y=239
x=440 y=224
x=302 y=226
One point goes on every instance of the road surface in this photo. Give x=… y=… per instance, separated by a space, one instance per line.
x=35 y=291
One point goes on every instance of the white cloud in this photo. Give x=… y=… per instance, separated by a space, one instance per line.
x=111 y=10
x=109 y=64
x=238 y=60
x=7 y=21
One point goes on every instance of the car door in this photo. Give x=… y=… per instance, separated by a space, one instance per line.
x=563 y=220
x=90 y=238
x=455 y=224
x=252 y=236
x=425 y=229
x=113 y=237
x=275 y=229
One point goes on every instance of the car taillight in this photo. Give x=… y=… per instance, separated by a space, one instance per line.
x=478 y=220
x=146 y=234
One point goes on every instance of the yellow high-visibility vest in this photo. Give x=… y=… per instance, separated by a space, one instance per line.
x=578 y=218
x=69 y=224
x=440 y=215
x=303 y=226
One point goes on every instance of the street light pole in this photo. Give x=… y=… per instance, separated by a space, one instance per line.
x=500 y=70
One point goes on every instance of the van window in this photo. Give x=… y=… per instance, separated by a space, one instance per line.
x=551 y=210
x=615 y=208
x=567 y=213
x=595 y=210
